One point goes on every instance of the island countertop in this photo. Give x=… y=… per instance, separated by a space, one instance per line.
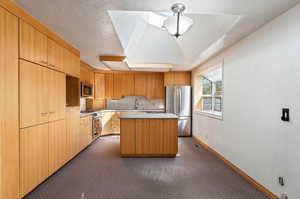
x=149 y=116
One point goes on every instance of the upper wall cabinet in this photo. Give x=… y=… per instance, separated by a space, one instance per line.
x=177 y=78
x=9 y=114
x=55 y=55
x=109 y=85
x=33 y=44
x=86 y=74
x=150 y=85
x=71 y=63
x=123 y=85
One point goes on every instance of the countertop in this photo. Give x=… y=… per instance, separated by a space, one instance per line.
x=149 y=116
x=85 y=114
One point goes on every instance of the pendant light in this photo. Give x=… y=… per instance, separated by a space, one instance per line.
x=177 y=24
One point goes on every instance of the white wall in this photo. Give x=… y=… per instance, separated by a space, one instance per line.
x=261 y=76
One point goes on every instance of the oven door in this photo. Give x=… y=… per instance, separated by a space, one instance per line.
x=86 y=90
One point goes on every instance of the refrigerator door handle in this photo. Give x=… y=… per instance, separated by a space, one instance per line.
x=180 y=99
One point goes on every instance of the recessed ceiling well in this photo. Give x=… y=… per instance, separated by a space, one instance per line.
x=114 y=27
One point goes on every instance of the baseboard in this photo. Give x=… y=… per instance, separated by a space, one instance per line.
x=258 y=186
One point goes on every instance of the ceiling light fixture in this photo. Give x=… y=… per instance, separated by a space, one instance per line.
x=177 y=24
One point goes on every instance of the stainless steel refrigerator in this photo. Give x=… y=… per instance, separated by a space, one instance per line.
x=179 y=102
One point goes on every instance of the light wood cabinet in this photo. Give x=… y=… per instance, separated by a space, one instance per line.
x=33 y=44
x=9 y=114
x=109 y=85
x=99 y=86
x=86 y=125
x=34 y=161
x=86 y=73
x=155 y=86
x=150 y=85
x=123 y=85
x=149 y=137
x=141 y=82
x=71 y=63
x=177 y=78
x=57 y=95
x=55 y=55
x=73 y=131
x=42 y=94
x=34 y=94
x=57 y=145
x=107 y=123
x=127 y=139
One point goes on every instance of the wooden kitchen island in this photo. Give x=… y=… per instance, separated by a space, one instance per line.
x=149 y=135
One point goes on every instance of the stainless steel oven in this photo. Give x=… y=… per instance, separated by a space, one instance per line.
x=86 y=90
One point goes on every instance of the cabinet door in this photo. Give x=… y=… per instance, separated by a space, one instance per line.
x=73 y=130
x=107 y=123
x=141 y=81
x=99 y=86
x=128 y=137
x=57 y=95
x=155 y=86
x=71 y=63
x=109 y=85
x=169 y=78
x=156 y=136
x=149 y=136
x=57 y=145
x=55 y=55
x=85 y=132
x=33 y=157
x=9 y=109
x=115 y=123
x=34 y=94
x=33 y=44
x=182 y=78
x=123 y=85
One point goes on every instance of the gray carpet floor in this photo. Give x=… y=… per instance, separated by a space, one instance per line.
x=99 y=173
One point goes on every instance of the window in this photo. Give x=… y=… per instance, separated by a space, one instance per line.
x=210 y=86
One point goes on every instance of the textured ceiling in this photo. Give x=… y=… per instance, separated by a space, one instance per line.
x=87 y=25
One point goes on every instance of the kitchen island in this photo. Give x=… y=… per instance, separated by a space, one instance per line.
x=149 y=135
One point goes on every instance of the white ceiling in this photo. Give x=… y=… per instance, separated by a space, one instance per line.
x=87 y=24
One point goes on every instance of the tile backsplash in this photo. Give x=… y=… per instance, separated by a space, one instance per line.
x=135 y=102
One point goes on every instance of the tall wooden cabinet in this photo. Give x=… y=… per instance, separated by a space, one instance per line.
x=9 y=128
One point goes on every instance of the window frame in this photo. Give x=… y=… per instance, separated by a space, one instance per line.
x=212 y=113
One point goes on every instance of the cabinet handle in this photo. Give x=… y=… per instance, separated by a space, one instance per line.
x=51 y=112
x=43 y=62
x=44 y=113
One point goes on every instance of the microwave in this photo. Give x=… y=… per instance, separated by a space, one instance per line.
x=86 y=90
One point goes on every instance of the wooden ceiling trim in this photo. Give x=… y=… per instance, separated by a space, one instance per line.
x=19 y=12
x=112 y=58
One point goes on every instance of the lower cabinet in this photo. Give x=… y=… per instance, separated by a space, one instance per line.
x=73 y=131
x=46 y=148
x=111 y=121
x=57 y=145
x=34 y=160
x=149 y=137
x=86 y=125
